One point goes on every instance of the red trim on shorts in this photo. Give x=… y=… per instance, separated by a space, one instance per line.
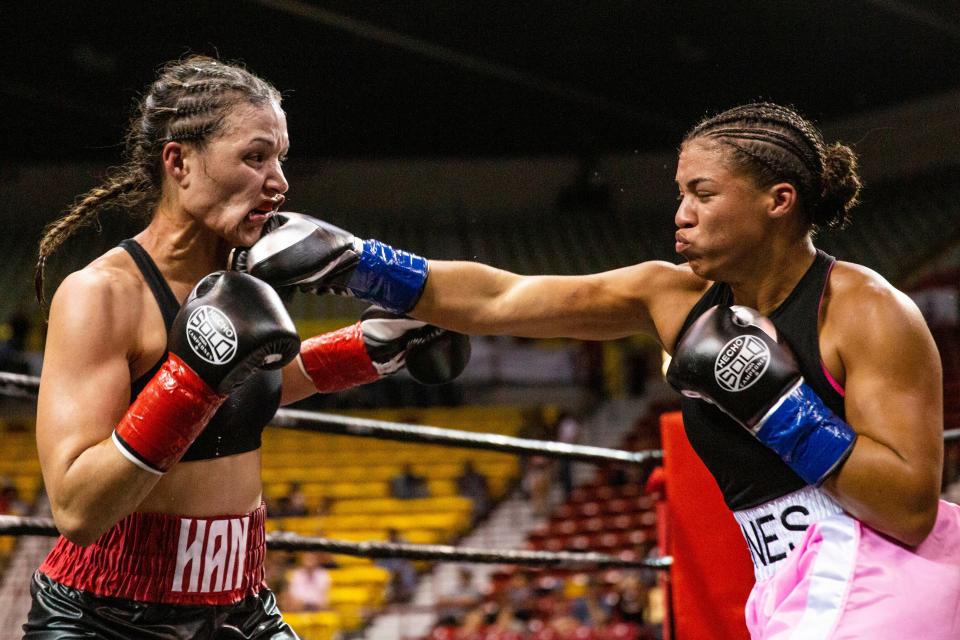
x=338 y=360
x=168 y=559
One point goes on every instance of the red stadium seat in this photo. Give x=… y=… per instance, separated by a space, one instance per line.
x=565 y=512
x=582 y=633
x=620 y=505
x=622 y=631
x=619 y=522
x=592 y=525
x=589 y=509
x=579 y=543
x=443 y=633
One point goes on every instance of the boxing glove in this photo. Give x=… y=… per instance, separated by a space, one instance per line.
x=730 y=358
x=230 y=326
x=318 y=257
x=381 y=344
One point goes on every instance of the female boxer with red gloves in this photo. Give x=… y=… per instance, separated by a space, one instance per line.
x=161 y=371
x=812 y=388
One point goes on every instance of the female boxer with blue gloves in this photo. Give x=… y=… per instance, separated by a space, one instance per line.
x=812 y=388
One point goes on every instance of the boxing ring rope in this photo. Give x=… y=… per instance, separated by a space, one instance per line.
x=23 y=386
x=286 y=541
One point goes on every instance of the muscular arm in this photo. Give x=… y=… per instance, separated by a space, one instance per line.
x=894 y=401
x=477 y=299
x=84 y=391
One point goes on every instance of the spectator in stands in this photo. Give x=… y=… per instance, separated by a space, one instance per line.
x=292 y=504
x=453 y=606
x=13 y=356
x=403 y=575
x=851 y=400
x=538 y=484
x=631 y=600
x=567 y=431
x=407 y=485
x=308 y=586
x=587 y=602
x=276 y=573
x=473 y=484
x=10 y=502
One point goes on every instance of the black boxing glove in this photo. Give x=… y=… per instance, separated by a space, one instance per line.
x=381 y=344
x=432 y=355
x=728 y=358
x=319 y=257
x=230 y=326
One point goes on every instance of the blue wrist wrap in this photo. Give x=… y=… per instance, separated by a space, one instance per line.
x=807 y=435
x=388 y=277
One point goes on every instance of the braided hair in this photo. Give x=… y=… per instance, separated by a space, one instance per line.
x=188 y=102
x=775 y=144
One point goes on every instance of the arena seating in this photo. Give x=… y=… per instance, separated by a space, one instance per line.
x=349 y=478
x=19 y=469
x=611 y=514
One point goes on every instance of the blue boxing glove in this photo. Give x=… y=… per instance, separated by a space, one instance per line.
x=728 y=358
x=297 y=250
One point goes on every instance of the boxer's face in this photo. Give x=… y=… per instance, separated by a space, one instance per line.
x=720 y=219
x=237 y=178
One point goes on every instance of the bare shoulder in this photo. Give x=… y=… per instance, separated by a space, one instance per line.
x=866 y=312
x=656 y=281
x=666 y=291
x=659 y=274
x=102 y=300
x=860 y=295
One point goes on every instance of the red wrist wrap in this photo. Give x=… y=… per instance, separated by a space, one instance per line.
x=167 y=416
x=338 y=360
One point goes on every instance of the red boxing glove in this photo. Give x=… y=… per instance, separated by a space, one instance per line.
x=381 y=344
x=338 y=360
x=230 y=326
x=166 y=417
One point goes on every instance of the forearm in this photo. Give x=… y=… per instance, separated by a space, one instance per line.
x=380 y=344
x=97 y=489
x=903 y=505
x=465 y=296
x=480 y=300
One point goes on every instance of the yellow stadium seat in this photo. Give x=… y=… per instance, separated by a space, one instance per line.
x=315 y=625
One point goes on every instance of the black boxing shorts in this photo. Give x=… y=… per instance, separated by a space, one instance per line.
x=61 y=613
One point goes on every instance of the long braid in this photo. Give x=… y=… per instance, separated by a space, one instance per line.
x=774 y=143
x=83 y=213
x=187 y=103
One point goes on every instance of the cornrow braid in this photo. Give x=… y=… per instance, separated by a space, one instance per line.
x=188 y=102
x=774 y=143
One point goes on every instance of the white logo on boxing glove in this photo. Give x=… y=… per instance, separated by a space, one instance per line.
x=211 y=335
x=741 y=362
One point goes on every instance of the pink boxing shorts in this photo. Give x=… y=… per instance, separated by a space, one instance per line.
x=845 y=581
x=168 y=559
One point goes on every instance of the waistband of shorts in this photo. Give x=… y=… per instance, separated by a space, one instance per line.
x=168 y=559
x=774 y=529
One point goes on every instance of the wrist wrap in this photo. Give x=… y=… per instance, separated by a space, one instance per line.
x=806 y=434
x=391 y=278
x=338 y=360
x=166 y=417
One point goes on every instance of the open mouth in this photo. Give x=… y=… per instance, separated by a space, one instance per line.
x=259 y=216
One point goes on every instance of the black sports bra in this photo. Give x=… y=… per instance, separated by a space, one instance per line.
x=237 y=425
x=747 y=472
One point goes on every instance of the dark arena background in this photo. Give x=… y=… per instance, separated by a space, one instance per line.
x=538 y=137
